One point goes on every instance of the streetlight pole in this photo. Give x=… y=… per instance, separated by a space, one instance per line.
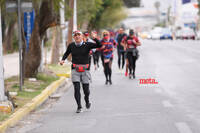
x=20 y=44
x=75 y=16
x=5 y=105
x=2 y=90
x=62 y=23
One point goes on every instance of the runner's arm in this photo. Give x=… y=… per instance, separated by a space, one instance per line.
x=97 y=44
x=137 y=42
x=68 y=51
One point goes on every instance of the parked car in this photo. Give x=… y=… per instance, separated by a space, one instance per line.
x=156 y=33
x=179 y=34
x=166 y=34
x=145 y=35
x=188 y=33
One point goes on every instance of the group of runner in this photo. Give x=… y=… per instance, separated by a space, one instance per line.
x=127 y=52
x=85 y=46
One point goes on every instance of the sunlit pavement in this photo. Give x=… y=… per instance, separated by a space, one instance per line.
x=171 y=106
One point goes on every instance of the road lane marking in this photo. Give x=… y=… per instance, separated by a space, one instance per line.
x=183 y=127
x=167 y=104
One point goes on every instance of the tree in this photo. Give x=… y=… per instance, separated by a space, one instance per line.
x=8 y=37
x=56 y=45
x=45 y=17
x=8 y=25
x=110 y=14
x=70 y=27
x=96 y=13
x=87 y=10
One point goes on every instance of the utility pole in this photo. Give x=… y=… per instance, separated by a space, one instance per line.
x=5 y=105
x=2 y=89
x=62 y=23
x=75 y=16
x=20 y=44
x=70 y=25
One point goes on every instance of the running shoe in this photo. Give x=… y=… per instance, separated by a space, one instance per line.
x=88 y=105
x=110 y=82
x=106 y=82
x=126 y=73
x=79 y=110
x=133 y=75
x=130 y=75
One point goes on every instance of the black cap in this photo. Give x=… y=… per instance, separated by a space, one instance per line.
x=131 y=32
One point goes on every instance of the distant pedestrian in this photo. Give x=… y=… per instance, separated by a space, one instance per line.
x=120 y=49
x=80 y=66
x=131 y=43
x=86 y=38
x=96 y=54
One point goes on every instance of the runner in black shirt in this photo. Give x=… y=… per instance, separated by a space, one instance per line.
x=80 y=66
x=120 y=48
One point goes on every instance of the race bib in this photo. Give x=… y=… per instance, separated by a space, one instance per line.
x=106 y=60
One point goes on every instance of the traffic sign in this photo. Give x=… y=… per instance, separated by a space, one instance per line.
x=25 y=6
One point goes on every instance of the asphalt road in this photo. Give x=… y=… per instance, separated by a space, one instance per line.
x=171 y=106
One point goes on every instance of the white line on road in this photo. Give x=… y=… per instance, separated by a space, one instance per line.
x=167 y=104
x=183 y=127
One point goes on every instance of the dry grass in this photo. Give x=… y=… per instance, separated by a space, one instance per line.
x=24 y=96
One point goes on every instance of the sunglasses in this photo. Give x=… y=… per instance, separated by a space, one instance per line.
x=105 y=35
x=77 y=34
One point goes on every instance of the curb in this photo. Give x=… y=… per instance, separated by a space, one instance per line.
x=35 y=102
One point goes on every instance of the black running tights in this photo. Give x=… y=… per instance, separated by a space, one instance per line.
x=77 y=93
x=121 y=56
x=132 y=62
x=108 y=70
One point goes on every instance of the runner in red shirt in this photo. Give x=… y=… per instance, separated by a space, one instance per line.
x=131 y=43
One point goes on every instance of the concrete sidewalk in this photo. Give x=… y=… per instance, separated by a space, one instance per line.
x=11 y=63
